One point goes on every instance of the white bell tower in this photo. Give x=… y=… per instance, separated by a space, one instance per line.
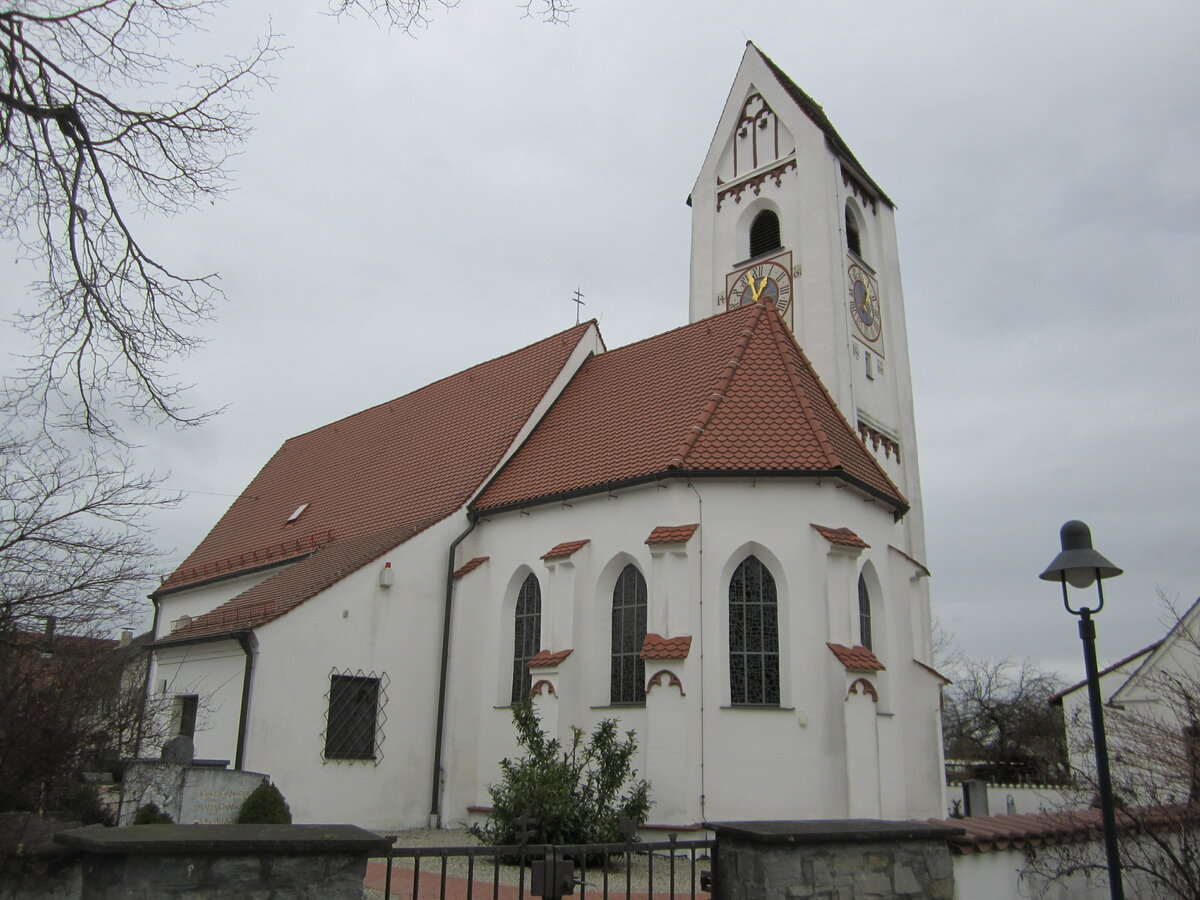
x=782 y=212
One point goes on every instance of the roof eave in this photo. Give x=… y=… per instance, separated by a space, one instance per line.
x=899 y=507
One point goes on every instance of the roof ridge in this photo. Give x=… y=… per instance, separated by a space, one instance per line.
x=785 y=339
x=775 y=323
x=581 y=327
x=719 y=390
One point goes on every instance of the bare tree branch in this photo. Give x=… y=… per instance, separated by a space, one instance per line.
x=77 y=161
x=410 y=16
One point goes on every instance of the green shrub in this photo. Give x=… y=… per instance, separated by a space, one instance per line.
x=265 y=806
x=574 y=796
x=150 y=814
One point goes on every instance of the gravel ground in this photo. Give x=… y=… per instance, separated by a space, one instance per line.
x=639 y=867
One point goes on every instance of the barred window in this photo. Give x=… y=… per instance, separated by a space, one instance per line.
x=864 y=614
x=764 y=233
x=527 y=636
x=753 y=636
x=354 y=722
x=627 y=681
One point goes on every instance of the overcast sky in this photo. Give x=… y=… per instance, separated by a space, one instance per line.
x=409 y=207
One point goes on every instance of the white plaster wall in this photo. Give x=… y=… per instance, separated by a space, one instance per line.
x=214 y=672
x=356 y=625
x=757 y=763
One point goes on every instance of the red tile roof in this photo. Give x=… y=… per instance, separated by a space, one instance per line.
x=986 y=834
x=739 y=397
x=655 y=646
x=470 y=566
x=672 y=534
x=380 y=475
x=857 y=658
x=562 y=551
x=547 y=659
x=843 y=537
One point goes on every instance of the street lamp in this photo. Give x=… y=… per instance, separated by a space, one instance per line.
x=1079 y=565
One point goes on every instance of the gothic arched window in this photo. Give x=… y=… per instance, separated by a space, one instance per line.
x=853 y=235
x=753 y=636
x=764 y=233
x=864 y=614
x=627 y=680
x=527 y=636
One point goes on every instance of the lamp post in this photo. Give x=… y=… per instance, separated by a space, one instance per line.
x=1080 y=565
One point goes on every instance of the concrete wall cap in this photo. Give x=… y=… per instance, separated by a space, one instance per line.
x=205 y=839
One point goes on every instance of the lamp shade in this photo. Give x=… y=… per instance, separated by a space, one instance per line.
x=1078 y=561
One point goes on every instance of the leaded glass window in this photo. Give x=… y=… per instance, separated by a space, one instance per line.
x=627 y=681
x=753 y=636
x=864 y=614
x=527 y=636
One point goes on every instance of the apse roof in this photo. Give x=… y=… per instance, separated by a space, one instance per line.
x=727 y=395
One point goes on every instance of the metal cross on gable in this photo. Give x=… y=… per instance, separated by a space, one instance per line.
x=578 y=300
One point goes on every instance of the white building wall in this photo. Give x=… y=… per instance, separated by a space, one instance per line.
x=786 y=762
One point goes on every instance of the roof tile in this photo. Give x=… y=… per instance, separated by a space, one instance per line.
x=842 y=537
x=655 y=646
x=856 y=658
x=562 y=551
x=470 y=566
x=672 y=534
x=548 y=659
x=740 y=398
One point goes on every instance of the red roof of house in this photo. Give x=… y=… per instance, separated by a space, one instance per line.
x=655 y=646
x=985 y=834
x=857 y=658
x=672 y=534
x=843 y=537
x=737 y=397
x=370 y=481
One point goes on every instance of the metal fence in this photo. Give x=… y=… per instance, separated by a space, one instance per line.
x=645 y=869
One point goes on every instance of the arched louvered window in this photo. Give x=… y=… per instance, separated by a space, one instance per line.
x=627 y=681
x=764 y=233
x=853 y=237
x=753 y=636
x=864 y=614
x=527 y=636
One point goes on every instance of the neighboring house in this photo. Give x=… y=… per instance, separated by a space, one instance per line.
x=1152 y=717
x=712 y=535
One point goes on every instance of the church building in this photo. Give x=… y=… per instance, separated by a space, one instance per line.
x=713 y=535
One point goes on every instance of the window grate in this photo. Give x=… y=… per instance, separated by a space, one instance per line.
x=355 y=716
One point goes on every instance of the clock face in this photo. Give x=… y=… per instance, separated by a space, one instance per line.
x=769 y=281
x=864 y=304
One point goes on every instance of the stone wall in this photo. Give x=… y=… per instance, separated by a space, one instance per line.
x=202 y=862
x=833 y=860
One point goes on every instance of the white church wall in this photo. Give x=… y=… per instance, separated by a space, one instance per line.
x=356 y=626
x=213 y=671
x=196 y=601
x=788 y=761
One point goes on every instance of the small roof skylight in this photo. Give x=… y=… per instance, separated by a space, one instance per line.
x=294 y=516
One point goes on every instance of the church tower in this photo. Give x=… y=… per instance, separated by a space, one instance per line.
x=782 y=212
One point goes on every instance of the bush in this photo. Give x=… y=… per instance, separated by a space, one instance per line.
x=265 y=806
x=150 y=814
x=575 y=796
